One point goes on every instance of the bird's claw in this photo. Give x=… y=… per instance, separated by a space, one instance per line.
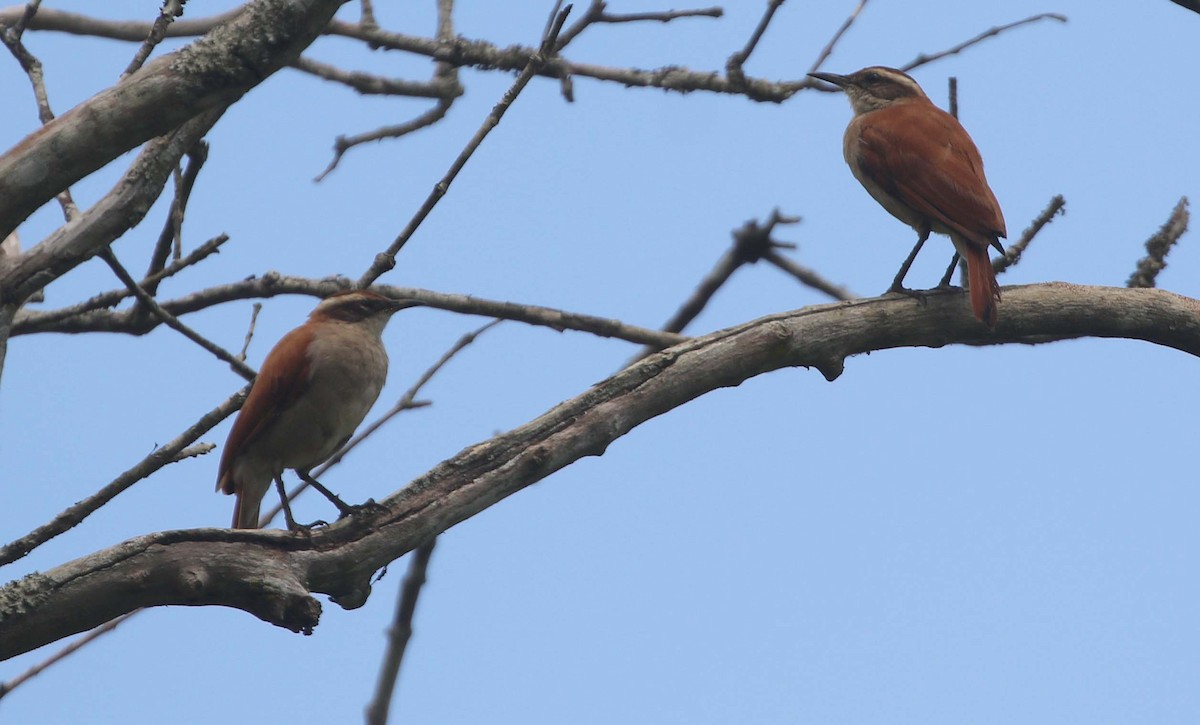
x=919 y=295
x=306 y=529
x=370 y=506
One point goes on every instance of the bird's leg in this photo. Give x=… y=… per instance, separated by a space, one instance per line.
x=287 y=507
x=898 y=282
x=344 y=509
x=945 y=283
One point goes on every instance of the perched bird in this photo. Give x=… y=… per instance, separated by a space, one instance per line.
x=918 y=162
x=313 y=389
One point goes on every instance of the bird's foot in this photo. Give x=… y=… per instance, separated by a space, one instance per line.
x=306 y=529
x=370 y=506
x=923 y=295
x=920 y=295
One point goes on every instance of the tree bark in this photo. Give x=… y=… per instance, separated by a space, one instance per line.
x=272 y=574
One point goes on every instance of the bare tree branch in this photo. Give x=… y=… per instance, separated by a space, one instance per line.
x=399 y=633
x=809 y=277
x=386 y=260
x=172 y=228
x=113 y=297
x=273 y=284
x=837 y=36
x=369 y=84
x=733 y=65
x=926 y=59
x=1013 y=253
x=67 y=651
x=273 y=574
x=171 y=9
x=162 y=456
x=1159 y=245
x=107 y=219
x=11 y=37
x=344 y=143
x=133 y=31
x=149 y=303
x=166 y=93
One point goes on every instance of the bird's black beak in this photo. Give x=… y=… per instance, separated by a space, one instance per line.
x=834 y=78
x=404 y=304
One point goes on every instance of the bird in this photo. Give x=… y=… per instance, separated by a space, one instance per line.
x=920 y=164
x=312 y=391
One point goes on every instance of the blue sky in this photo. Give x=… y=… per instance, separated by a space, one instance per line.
x=947 y=535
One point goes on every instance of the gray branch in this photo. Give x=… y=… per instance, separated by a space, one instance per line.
x=212 y=72
x=273 y=574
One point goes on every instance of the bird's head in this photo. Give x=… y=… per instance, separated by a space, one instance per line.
x=359 y=306
x=876 y=87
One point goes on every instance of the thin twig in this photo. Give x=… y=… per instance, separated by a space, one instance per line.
x=663 y=16
x=366 y=17
x=597 y=12
x=809 y=277
x=342 y=144
x=1158 y=245
x=369 y=84
x=408 y=401
x=250 y=331
x=172 y=228
x=445 y=87
x=63 y=653
x=171 y=9
x=399 y=633
x=751 y=242
x=733 y=66
x=200 y=449
x=11 y=37
x=925 y=59
x=837 y=36
x=31 y=9
x=160 y=457
x=1013 y=253
x=113 y=297
x=172 y=321
x=386 y=260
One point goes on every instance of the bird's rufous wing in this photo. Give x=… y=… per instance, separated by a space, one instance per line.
x=922 y=156
x=281 y=380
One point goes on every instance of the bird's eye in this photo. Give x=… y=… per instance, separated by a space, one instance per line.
x=872 y=77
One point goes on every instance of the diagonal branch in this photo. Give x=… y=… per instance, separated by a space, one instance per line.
x=1159 y=245
x=161 y=456
x=386 y=260
x=399 y=633
x=273 y=574
x=1013 y=253
x=926 y=59
x=210 y=73
x=171 y=321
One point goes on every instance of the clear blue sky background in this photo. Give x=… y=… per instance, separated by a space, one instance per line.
x=940 y=536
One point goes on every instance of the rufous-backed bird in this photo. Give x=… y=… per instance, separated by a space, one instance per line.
x=312 y=391
x=920 y=164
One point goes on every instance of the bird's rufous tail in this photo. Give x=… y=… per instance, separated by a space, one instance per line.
x=985 y=291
